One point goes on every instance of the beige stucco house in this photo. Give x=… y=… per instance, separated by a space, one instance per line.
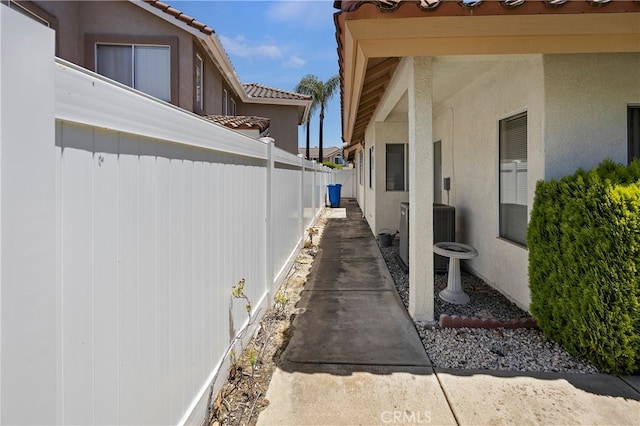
x=331 y=154
x=492 y=96
x=159 y=50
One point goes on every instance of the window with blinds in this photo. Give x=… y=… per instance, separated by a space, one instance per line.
x=143 y=67
x=633 y=132
x=513 y=178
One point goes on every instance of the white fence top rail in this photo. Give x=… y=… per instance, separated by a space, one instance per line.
x=88 y=98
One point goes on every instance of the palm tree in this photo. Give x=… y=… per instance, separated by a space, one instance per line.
x=320 y=92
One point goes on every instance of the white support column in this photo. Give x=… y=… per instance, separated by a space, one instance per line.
x=421 y=189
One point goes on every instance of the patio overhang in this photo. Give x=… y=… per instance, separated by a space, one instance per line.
x=370 y=42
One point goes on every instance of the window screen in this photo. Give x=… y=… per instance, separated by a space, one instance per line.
x=145 y=68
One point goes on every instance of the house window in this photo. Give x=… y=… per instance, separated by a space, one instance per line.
x=199 y=80
x=437 y=172
x=513 y=178
x=225 y=102
x=232 y=104
x=361 y=166
x=395 y=167
x=633 y=132
x=144 y=67
x=371 y=162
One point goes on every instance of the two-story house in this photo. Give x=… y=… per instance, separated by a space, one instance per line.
x=155 y=48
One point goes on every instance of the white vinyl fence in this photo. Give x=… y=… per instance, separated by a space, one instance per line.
x=124 y=224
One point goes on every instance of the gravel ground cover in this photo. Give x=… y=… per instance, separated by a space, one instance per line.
x=477 y=348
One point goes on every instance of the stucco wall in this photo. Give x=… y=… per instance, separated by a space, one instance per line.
x=467 y=125
x=388 y=202
x=586 y=109
x=75 y=19
x=283 y=125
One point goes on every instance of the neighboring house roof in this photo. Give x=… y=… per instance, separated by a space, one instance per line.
x=256 y=90
x=372 y=36
x=181 y=16
x=327 y=152
x=238 y=122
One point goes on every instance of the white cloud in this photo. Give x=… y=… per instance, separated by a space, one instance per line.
x=301 y=12
x=239 y=46
x=295 y=62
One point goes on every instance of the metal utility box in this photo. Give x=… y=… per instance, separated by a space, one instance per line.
x=444 y=229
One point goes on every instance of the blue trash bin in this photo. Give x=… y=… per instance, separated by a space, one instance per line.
x=334 y=194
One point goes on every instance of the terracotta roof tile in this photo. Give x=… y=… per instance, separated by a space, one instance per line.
x=256 y=90
x=237 y=122
x=432 y=5
x=181 y=16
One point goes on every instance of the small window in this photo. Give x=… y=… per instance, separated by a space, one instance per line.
x=225 y=102
x=199 y=89
x=633 y=132
x=233 y=107
x=395 y=167
x=143 y=67
x=371 y=171
x=361 y=166
x=513 y=179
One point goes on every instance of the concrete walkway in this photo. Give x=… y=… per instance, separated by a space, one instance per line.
x=355 y=358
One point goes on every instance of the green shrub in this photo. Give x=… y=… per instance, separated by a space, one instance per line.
x=332 y=165
x=584 y=264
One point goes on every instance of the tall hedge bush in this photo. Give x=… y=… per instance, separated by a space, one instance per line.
x=584 y=264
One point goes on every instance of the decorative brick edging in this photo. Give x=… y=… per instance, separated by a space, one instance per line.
x=455 y=321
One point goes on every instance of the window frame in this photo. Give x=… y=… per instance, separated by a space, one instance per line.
x=371 y=167
x=404 y=167
x=93 y=40
x=198 y=89
x=633 y=132
x=361 y=167
x=225 y=102
x=501 y=234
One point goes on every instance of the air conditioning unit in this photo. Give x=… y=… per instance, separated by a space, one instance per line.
x=444 y=229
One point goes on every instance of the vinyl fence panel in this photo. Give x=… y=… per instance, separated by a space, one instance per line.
x=123 y=231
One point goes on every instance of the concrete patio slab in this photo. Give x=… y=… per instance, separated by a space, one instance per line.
x=492 y=397
x=339 y=275
x=355 y=395
x=633 y=381
x=355 y=248
x=354 y=327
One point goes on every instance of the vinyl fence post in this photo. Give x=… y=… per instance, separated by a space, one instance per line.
x=302 y=173
x=29 y=280
x=314 y=196
x=269 y=218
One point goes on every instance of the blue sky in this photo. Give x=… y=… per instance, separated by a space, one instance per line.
x=276 y=43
